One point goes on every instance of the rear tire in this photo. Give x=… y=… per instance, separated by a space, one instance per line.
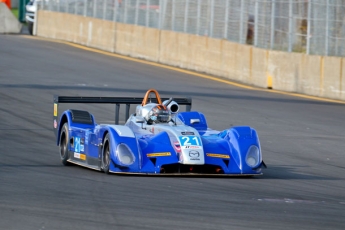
x=106 y=154
x=64 y=137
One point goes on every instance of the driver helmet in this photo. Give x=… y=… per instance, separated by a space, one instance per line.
x=158 y=114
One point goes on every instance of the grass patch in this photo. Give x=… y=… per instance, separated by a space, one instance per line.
x=15 y=12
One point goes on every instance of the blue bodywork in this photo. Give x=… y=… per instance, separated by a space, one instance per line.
x=233 y=151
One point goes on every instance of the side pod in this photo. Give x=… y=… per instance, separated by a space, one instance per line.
x=245 y=148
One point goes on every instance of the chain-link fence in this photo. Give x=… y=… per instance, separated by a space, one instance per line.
x=309 y=26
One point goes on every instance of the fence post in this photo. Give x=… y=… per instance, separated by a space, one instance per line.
x=76 y=7
x=94 y=14
x=210 y=34
x=104 y=9
x=136 y=19
x=290 y=25
x=327 y=28
x=85 y=8
x=115 y=10
x=186 y=16
x=126 y=13
x=173 y=15
x=67 y=7
x=226 y=20
x=162 y=9
x=241 y=23
x=309 y=27
x=198 y=17
x=147 y=13
x=159 y=26
x=273 y=9
x=256 y=23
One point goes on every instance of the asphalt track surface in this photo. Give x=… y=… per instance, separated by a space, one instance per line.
x=302 y=142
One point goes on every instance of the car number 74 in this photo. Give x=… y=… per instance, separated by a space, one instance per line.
x=189 y=140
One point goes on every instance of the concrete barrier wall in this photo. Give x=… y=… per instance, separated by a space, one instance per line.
x=284 y=70
x=258 y=67
x=8 y=22
x=331 y=77
x=137 y=41
x=311 y=69
x=292 y=72
x=169 y=51
x=91 y=32
x=192 y=52
x=342 y=80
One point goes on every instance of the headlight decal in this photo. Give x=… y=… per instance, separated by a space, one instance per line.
x=253 y=156
x=124 y=154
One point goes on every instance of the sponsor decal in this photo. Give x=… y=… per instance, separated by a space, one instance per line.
x=162 y=154
x=77 y=144
x=55 y=110
x=194 y=155
x=87 y=136
x=82 y=141
x=192 y=147
x=218 y=155
x=79 y=156
x=187 y=133
x=55 y=124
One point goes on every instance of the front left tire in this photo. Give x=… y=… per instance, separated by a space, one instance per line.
x=64 y=137
x=106 y=155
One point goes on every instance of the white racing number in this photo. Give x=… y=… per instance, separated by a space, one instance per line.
x=190 y=140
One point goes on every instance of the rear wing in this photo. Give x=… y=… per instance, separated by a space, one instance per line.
x=110 y=100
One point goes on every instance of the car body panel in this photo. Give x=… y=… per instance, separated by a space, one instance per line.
x=183 y=146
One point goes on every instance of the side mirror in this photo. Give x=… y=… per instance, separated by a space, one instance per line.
x=193 y=121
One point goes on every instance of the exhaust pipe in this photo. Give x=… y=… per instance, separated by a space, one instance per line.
x=172 y=105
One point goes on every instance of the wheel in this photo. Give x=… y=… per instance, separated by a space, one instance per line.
x=64 y=155
x=30 y=27
x=106 y=155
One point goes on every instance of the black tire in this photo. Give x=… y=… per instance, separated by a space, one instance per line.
x=30 y=27
x=64 y=137
x=106 y=155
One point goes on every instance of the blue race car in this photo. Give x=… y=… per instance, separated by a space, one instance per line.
x=156 y=140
